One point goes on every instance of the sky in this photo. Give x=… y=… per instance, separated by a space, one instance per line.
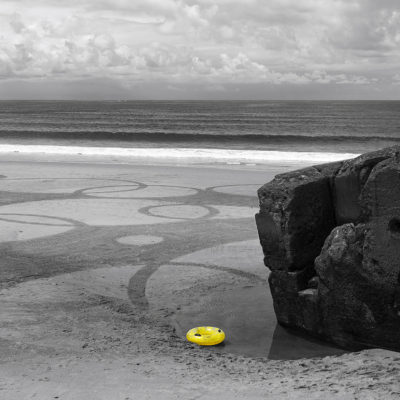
x=200 y=49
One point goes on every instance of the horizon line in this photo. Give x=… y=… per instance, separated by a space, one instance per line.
x=203 y=100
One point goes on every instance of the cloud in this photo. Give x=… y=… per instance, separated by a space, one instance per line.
x=175 y=41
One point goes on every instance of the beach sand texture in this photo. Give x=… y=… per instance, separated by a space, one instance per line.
x=105 y=266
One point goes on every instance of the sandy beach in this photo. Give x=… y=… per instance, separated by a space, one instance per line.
x=106 y=262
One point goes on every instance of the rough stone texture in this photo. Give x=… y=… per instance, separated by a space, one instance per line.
x=290 y=232
x=331 y=237
x=349 y=181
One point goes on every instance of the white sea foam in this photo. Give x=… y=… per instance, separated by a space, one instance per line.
x=184 y=155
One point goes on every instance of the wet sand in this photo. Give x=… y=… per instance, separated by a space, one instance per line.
x=105 y=265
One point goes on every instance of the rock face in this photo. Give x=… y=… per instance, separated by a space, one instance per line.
x=331 y=237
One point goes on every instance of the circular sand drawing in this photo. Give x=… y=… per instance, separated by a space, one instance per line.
x=139 y=240
x=111 y=191
x=180 y=211
x=244 y=190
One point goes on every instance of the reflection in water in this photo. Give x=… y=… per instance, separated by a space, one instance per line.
x=290 y=345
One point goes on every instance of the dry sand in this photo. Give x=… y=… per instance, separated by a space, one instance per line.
x=104 y=267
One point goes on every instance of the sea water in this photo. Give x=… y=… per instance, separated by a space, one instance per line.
x=236 y=131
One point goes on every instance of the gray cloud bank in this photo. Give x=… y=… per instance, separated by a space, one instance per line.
x=200 y=49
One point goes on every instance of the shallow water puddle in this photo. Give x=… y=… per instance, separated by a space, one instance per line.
x=247 y=317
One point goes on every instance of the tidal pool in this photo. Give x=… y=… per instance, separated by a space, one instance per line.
x=247 y=317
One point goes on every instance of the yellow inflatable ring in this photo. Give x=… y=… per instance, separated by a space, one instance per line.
x=206 y=335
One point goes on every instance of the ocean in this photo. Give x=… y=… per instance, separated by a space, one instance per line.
x=244 y=130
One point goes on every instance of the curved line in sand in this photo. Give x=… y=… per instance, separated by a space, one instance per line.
x=211 y=211
x=71 y=222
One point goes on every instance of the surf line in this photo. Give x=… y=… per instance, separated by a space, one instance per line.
x=189 y=154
